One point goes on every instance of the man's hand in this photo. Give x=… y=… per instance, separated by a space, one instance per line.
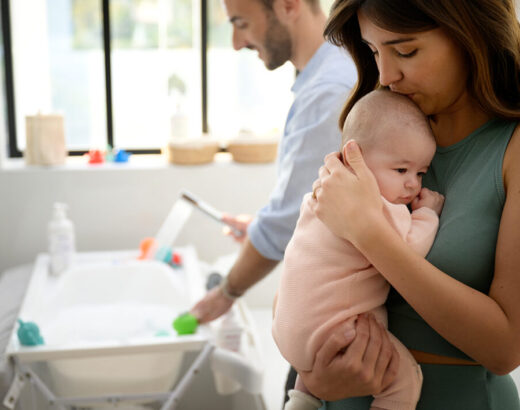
x=429 y=199
x=240 y=223
x=248 y=269
x=211 y=306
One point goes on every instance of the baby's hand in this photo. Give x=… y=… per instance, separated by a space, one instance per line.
x=430 y=199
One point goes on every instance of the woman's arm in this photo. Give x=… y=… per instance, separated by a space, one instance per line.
x=486 y=327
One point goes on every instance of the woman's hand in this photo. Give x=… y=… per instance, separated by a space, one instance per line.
x=367 y=366
x=347 y=200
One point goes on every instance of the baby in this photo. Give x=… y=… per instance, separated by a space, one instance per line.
x=326 y=281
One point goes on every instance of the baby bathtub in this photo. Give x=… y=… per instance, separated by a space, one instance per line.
x=107 y=323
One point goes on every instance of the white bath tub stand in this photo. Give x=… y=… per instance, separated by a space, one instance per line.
x=232 y=364
x=84 y=371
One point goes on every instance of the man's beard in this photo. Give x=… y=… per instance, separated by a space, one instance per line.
x=277 y=43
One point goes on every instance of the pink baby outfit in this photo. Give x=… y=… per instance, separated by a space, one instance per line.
x=326 y=282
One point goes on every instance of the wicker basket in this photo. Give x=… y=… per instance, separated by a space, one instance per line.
x=255 y=150
x=192 y=152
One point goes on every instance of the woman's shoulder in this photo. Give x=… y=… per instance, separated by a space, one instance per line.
x=511 y=167
x=516 y=132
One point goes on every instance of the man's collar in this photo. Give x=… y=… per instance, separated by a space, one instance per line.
x=310 y=67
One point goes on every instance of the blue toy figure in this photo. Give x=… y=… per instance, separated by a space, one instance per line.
x=29 y=334
x=121 y=156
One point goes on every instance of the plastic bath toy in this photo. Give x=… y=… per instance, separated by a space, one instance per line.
x=29 y=334
x=95 y=156
x=146 y=246
x=121 y=156
x=185 y=324
x=149 y=250
x=162 y=333
x=176 y=260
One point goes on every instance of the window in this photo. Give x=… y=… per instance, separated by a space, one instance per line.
x=162 y=57
x=58 y=66
x=326 y=5
x=155 y=69
x=240 y=89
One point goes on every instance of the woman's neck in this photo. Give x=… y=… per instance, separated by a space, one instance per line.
x=455 y=125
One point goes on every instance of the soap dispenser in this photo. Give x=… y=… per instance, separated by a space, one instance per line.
x=62 y=246
x=228 y=337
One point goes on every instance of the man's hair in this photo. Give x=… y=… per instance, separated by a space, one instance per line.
x=487 y=32
x=314 y=4
x=378 y=111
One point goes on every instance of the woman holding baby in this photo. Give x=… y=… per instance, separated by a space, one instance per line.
x=458 y=310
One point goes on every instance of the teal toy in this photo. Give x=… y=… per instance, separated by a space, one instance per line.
x=185 y=324
x=109 y=154
x=162 y=333
x=29 y=334
x=164 y=254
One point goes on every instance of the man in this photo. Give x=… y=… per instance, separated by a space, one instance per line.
x=281 y=31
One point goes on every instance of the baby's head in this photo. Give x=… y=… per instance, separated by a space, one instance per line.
x=396 y=140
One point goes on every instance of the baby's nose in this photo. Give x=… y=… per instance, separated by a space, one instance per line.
x=413 y=183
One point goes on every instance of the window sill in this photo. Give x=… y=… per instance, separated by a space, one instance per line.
x=136 y=162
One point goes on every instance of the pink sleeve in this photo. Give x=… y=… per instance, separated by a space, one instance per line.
x=423 y=229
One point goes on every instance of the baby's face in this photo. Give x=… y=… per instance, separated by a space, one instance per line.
x=399 y=166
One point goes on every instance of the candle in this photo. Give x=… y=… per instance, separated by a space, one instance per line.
x=45 y=140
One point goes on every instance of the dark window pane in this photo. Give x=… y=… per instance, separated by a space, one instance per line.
x=3 y=96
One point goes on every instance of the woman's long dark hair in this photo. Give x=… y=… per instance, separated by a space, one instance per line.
x=487 y=31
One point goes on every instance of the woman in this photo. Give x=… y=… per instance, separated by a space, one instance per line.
x=458 y=311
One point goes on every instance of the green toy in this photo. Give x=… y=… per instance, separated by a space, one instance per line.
x=185 y=324
x=29 y=334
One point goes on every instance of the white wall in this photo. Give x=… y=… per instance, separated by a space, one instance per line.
x=114 y=207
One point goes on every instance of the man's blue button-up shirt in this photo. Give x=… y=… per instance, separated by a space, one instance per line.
x=311 y=132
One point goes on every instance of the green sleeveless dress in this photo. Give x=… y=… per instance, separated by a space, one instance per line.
x=469 y=175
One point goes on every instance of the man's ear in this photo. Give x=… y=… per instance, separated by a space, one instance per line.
x=287 y=10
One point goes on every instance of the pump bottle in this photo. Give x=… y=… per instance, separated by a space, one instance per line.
x=229 y=333
x=62 y=246
x=228 y=336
